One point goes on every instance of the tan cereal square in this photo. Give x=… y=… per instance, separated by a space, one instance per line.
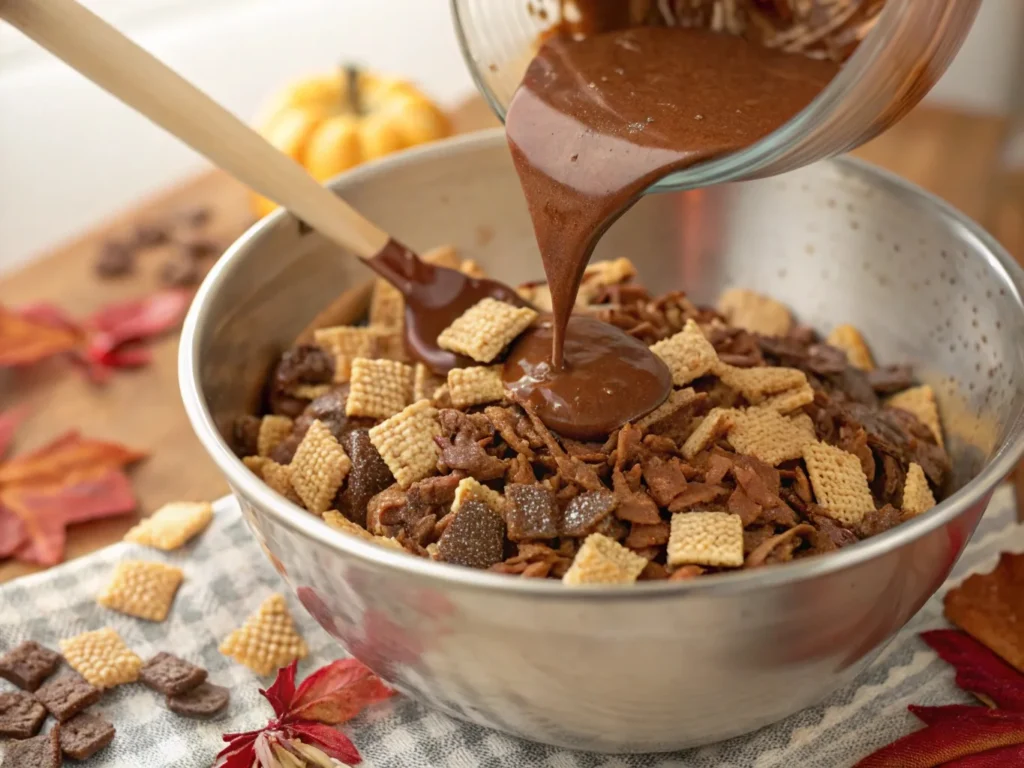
x=319 y=468
x=755 y=313
x=804 y=422
x=917 y=494
x=791 y=399
x=469 y=489
x=309 y=391
x=678 y=398
x=920 y=401
x=279 y=478
x=387 y=306
x=850 y=340
x=475 y=386
x=379 y=388
x=757 y=384
x=102 y=658
x=172 y=525
x=485 y=329
x=769 y=436
x=601 y=274
x=142 y=589
x=347 y=342
x=406 y=442
x=602 y=560
x=268 y=640
x=714 y=425
x=339 y=522
x=424 y=383
x=273 y=429
x=706 y=538
x=688 y=354
x=839 y=483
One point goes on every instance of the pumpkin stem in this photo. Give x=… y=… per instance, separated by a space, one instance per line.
x=352 y=91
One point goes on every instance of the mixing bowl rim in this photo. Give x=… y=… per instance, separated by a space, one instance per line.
x=303 y=523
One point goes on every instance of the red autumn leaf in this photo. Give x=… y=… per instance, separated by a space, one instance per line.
x=978 y=670
x=338 y=692
x=69 y=453
x=50 y=314
x=140 y=318
x=24 y=341
x=1003 y=757
x=332 y=741
x=10 y=420
x=282 y=692
x=12 y=533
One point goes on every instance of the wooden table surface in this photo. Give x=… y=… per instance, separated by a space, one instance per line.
x=952 y=154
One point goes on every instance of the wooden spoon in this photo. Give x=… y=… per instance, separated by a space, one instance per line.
x=435 y=296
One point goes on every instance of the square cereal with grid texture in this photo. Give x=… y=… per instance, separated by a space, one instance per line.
x=839 y=483
x=470 y=489
x=850 y=340
x=485 y=329
x=769 y=436
x=424 y=383
x=268 y=640
x=475 y=386
x=706 y=538
x=755 y=313
x=715 y=424
x=318 y=468
x=804 y=422
x=790 y=400
x=28 y=665
x=917 y=494
x=278 y=477
x=601 y=274
x=688 y=354
x=406 y=442
x=102 y=658
x=678 y=398
x=757 y=384
x=142 y=589
x=347 y=342
x=387 y=306
x=602 y=560
x=920 y=401
x=273 y=429
x=379 y=388
x=172 y=525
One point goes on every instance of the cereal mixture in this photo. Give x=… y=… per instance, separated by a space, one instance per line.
x=775 y=444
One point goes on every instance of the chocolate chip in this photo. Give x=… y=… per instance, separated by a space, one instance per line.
x=474 y=538
x=115 y=259
x=170 y=675
x=586 y=511
x=21 y=716
x=39 y=752
x=181 y=269
x=28 y=665
x=84 y=735
x=532 y=513
x=149 y=235
x=68 y=695
x=205 y=700
x=368 y=477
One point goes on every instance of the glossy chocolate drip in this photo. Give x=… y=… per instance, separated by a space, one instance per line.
x=607 y=378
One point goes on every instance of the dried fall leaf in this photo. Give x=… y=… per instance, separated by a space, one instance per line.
x=990 y=607
x=978 y=670
x=67 y=454
x=338 y=692
x=24 y=341
x=10 y=420
x=12 y=532
x=141 y=318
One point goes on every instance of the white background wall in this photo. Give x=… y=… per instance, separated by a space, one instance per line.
x=70 y=155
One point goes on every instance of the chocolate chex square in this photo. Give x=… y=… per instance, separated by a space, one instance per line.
x=485 y=329
x=21 y=716
x=28 y=665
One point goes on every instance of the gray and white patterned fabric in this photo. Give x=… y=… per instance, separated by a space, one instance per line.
x=227 y=576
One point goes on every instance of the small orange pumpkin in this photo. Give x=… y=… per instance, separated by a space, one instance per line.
x=330 y=123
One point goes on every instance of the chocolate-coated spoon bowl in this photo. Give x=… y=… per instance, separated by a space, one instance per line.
x=657 y=666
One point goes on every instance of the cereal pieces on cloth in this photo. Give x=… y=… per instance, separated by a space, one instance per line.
x=839 y=483
x=849 y=339
x=170 y=675
x=38 y=752
x=84 y=735
x=917 y=494
x=174 y=524
x=318 y=468
x=28 y=665
x=379 y=388
x=920 y=401
x=767 y=435
x=267 y=640
x=205 y=700
x=21 y=715
x=755 y=313
x=67 y=695
x=475 y=386
x=406 y=442
x=688 y=354
x=142 y=589
x=102 y=658
x=706 y=538
x=485 y=329
x=602 y=560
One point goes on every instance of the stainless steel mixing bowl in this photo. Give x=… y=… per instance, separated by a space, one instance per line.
x=657 y=666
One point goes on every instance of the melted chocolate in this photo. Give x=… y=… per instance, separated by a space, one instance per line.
x=607 y=378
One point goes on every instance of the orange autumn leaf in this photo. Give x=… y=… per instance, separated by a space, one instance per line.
x=67 y=454
x=24 y=340
x=990 y=608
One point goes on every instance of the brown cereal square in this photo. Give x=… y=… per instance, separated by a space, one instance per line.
x=839 y=483
x=142 y=589
x=767 y=435
x=84 y=735
x=485 y=329
x=28 y=665
x=173 y=525
x=471 y=489
x=920 y=401
x=475 y=386
x=203 y=701
x=273 y=429
x=706 y=538
x=474 y=538
x=21 y=716
x=379 y=388
x=714 y=425
x=38 y=752
x=318 y=468
x=170 y=675
x=688 y=354
x=850 y=340
x=587 y=511
x=917 y=494
x=755 y=313
x=532 y=513
x=601 y=560
x=67 y=695
x=757 y=384
x=102 y=658
x=678 y=398
x=268 y=640
x=406 y=442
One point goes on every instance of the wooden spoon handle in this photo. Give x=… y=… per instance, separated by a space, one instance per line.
x=112 y=61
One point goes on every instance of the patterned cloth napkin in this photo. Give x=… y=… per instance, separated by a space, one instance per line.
x=227 y=576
